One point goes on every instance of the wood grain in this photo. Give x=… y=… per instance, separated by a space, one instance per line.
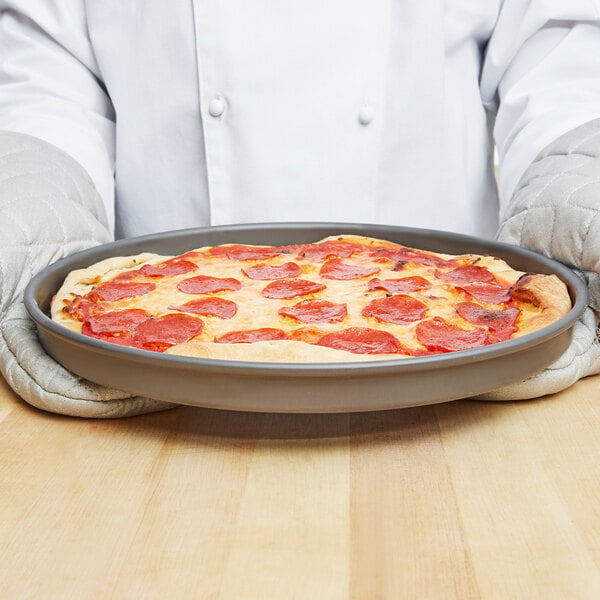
x=458 y=500
x=408 y=539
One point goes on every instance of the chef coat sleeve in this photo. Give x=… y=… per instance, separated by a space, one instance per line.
x=50 y=86
x=541 y=78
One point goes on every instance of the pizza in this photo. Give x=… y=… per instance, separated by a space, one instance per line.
x=343 y=298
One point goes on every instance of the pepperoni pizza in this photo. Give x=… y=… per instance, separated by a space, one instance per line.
x=343 y=298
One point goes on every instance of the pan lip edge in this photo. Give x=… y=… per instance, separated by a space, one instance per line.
x=574 y=282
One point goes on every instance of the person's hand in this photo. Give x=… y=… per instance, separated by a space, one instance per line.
x=556 y=211
x=48 y=209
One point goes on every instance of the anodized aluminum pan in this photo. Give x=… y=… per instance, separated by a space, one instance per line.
x=303 y=388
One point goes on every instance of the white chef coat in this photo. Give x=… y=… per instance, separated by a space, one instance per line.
x=199 y=112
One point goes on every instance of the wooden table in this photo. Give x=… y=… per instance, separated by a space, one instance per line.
x=460 y=500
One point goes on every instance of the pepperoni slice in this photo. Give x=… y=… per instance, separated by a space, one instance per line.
x=334 y=268
x=468 y=274
x=402 y=255
x=288 y=269
x=114 y=326
x=168 y=268
x=322 y=250
x=212 y=307
x=479 y=283
x=440 y=336
x=251 y=335
x=395 y=309
x=243 y=252
x=290 y=288
x=81 y=308
x=501 y=323
x=362 y=340
x=400 y=286
x=160 y=333
x=205 y=284
x=117 y=290
x=315 y=311
x=491 y=293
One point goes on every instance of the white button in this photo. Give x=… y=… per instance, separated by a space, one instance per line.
x=366 y=115
x=216 y=107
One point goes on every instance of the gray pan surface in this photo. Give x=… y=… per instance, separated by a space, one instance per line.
x=303 y=388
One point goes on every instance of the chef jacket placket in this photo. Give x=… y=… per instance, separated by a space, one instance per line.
x=212 y=108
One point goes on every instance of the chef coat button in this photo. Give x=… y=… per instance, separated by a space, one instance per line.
x=216 y=107
x=366 y=115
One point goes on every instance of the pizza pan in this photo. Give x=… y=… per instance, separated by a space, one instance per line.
x=311 y=387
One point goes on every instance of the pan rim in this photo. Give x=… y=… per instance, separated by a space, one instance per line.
x=577 y=288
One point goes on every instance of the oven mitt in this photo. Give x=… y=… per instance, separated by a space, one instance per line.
x=48 y=209
x=556 y=211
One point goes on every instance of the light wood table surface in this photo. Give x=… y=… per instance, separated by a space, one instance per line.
x=459 y=500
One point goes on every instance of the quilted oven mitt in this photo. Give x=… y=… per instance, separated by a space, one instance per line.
x=556 y=211
x=48 y=209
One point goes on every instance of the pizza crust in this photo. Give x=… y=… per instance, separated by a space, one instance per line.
x=548 y=297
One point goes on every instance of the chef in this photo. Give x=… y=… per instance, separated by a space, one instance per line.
x=122 y=118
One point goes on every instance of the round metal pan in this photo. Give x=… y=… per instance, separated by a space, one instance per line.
x=301 y=388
